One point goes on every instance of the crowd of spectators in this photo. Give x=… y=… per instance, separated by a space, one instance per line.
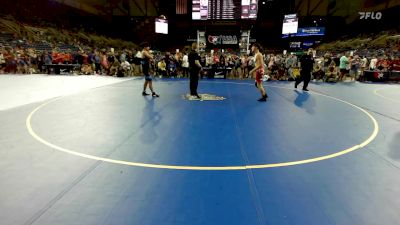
x=21 y=54
x=30 y=49
x=24 y=58
x=330 y=67
x=334 y=67
x=88 y=62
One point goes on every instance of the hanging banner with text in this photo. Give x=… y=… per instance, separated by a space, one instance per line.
x=307 y=31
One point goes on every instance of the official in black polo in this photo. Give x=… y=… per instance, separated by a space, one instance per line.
x=194 y=70
x=306 y=64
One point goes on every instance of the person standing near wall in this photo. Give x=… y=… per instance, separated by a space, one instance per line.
x=194 y=70
x=147 y=57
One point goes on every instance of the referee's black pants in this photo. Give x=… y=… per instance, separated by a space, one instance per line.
x=194 y=81
x=305 y=76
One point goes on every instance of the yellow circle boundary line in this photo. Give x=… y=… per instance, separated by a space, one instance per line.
x=385 y=97
x=172 y=167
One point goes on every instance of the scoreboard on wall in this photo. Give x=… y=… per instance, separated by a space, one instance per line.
x=224 y=9
x=290 y=24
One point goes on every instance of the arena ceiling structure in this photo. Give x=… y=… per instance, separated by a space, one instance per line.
x=135 y=8
x=344 y=18
x=129 y=19
x=349 y=10
x=134 y=19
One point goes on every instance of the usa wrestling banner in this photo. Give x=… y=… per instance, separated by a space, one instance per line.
x=223 y=41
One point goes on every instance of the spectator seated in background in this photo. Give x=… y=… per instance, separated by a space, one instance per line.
x=331 y=73
x=138 y=62
x=23 y=66
x=395 y=64
x=280 y=73
x=87 y=69
x=11 y=62
x=383 y=64
x=2 y=62
x=236 y=71
x=67 y=57
x=172 y=69
x=354 y=67
x=318 y=74
x=22 y=63
x=33 y=59
x=126 y=68
x=58 y=58
x=104 y=62
x=47 y=59
x=162 y=68
x=231 y=66
x=295 y=73
x=114 y=68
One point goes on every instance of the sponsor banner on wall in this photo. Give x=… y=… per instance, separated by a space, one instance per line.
x=307 y=31
x=311 y=31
